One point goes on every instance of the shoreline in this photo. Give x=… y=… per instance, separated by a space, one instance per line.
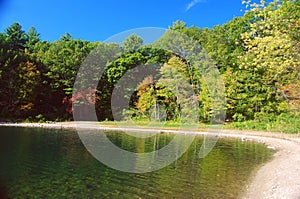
x=278 y=178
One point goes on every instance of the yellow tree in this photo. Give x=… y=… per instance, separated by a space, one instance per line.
x=270 y=62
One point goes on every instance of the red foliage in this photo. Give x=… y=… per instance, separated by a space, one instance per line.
x=85 y=97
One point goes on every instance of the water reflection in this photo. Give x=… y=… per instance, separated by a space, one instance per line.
x=41 y=163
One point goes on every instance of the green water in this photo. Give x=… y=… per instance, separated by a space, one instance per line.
x=43 y=163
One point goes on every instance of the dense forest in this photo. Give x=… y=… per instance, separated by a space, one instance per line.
x=257 y=56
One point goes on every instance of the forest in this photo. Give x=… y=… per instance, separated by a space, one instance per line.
x=257 y=56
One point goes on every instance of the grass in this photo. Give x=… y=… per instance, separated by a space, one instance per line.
x=164 y=125
x=291 y=127
x=283 y=123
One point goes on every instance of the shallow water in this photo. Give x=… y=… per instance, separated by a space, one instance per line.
x=48 y=163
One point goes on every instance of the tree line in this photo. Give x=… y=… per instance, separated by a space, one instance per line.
x=257 y=56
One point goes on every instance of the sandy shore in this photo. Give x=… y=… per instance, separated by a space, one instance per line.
x=279 y=178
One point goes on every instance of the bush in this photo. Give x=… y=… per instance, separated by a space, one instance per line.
x=40 y=118
x=285 y=123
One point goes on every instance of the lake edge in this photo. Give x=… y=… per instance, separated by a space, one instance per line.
x=274 y=182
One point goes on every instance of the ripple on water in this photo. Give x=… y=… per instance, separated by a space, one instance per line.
x=40 y=163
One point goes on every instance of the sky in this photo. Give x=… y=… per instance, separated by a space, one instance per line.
x=98 y=20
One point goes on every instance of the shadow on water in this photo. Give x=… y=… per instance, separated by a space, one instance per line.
x=3 y=191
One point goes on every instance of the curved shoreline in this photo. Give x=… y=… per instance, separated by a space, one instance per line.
x=278 y=178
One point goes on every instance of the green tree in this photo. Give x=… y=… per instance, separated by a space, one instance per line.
x=116 y=69
x=178 y=26
x=66 y=37
x=19 y=75
x=132 y=43
x=33 y=37
x=59 y=62
x=16 y=35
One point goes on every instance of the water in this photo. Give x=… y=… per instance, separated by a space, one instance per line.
x=44 y=163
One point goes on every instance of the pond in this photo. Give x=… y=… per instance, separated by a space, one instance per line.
x=48 y=163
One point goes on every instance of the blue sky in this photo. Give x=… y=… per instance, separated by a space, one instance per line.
x=98 y=20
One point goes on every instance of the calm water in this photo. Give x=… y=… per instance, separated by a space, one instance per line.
x=42 y=163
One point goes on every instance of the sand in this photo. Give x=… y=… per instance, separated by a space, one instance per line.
x=278 y=178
